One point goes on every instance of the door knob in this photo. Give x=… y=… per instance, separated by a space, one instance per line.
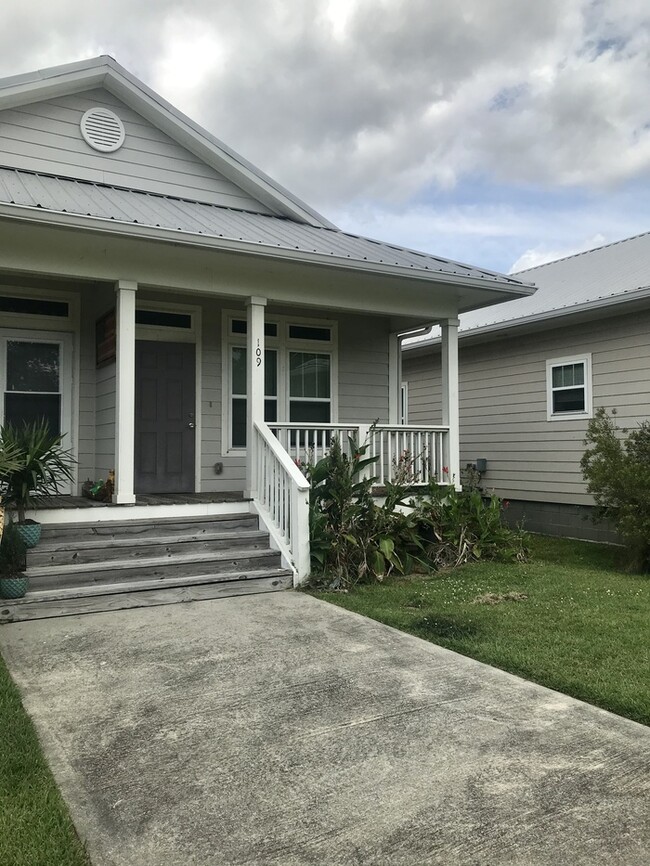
x=191 y=425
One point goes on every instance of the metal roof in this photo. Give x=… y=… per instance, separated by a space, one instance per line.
x=619 y=271
x=131 y=207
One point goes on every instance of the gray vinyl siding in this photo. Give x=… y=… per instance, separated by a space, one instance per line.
x=503 y=402
x=87 y=392
x=422 y=373
x=104 y=421
x=363 y=370
x=45 y=137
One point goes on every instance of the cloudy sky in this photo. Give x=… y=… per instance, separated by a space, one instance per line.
x=498 y=132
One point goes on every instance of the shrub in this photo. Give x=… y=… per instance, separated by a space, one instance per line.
x=466 y=526
x=354 y=539
x=36 y=467
x=616 y=468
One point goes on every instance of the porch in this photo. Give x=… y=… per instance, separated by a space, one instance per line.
x=187 y=400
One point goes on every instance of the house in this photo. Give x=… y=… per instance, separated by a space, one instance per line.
x=185 y=321
x=533 y=370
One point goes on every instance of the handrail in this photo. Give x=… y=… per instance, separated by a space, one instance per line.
x=288 y=464
x=300 y=425
x=281 y=494
x=413 y=428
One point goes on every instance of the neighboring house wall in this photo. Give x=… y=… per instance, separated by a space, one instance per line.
x=503 y=407
x=45 y=137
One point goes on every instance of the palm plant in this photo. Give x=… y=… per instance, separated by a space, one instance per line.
x=9 y=462
x=33 y=464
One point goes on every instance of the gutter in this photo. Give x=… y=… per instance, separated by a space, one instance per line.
x=29 y=214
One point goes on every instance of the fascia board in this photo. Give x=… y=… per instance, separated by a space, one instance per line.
x=106 y=72
x=28 y=214
x=37 y=89
x=15 y=82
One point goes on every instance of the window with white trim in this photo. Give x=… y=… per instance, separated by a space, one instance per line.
x=309 y=387
x=299 y=368
x=568 y=388
x=238 y=392
x=36 y=379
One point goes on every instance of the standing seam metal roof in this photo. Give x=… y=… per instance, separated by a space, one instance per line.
x=83 y=198
x=601 y=275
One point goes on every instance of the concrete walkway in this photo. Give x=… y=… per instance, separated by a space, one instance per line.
x=277 y=729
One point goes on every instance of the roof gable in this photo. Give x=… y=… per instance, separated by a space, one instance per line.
x=104 y=75
x=46 y=137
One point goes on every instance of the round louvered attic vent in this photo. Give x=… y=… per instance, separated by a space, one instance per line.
x=102 y=129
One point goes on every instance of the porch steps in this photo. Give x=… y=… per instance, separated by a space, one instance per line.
x=88 y=568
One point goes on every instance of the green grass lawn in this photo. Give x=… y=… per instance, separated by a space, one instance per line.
x=35 y=828
x=583 y=627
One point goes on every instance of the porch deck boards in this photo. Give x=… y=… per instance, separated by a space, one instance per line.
x=68 y=501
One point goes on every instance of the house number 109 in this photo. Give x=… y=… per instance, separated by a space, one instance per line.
x=258 y=355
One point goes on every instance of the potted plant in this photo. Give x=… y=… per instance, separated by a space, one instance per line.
x=37 y=465
x=13 y=562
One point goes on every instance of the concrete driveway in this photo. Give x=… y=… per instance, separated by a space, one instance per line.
x=277 y=729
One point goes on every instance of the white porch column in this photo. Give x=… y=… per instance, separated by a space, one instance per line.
x=394 y=378
x=450 y=398
x=125 y=392
x=254 y=381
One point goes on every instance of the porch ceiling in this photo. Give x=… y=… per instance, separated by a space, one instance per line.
x=130 y=212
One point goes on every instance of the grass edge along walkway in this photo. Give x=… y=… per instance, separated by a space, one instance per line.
x=35 y=826
x=571 y=619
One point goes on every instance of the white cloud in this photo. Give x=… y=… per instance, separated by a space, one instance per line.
x=377 y=98
x=540 y=255
x=385 y=102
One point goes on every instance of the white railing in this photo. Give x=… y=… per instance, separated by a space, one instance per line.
x=281 y=494
x=407 y=453
x=308 y=443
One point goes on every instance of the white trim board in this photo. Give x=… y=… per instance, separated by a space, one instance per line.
x=100 y=513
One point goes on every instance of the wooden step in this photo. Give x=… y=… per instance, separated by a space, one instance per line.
x=91 y=567
x=34 y=607
x=149 y=527
x=121 y=570
x=100 y=549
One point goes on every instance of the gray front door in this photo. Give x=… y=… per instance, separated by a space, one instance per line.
x=164 y=417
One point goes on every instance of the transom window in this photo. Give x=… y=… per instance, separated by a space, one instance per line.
x=569 y=388
x=298 y=373
x=34 y=306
